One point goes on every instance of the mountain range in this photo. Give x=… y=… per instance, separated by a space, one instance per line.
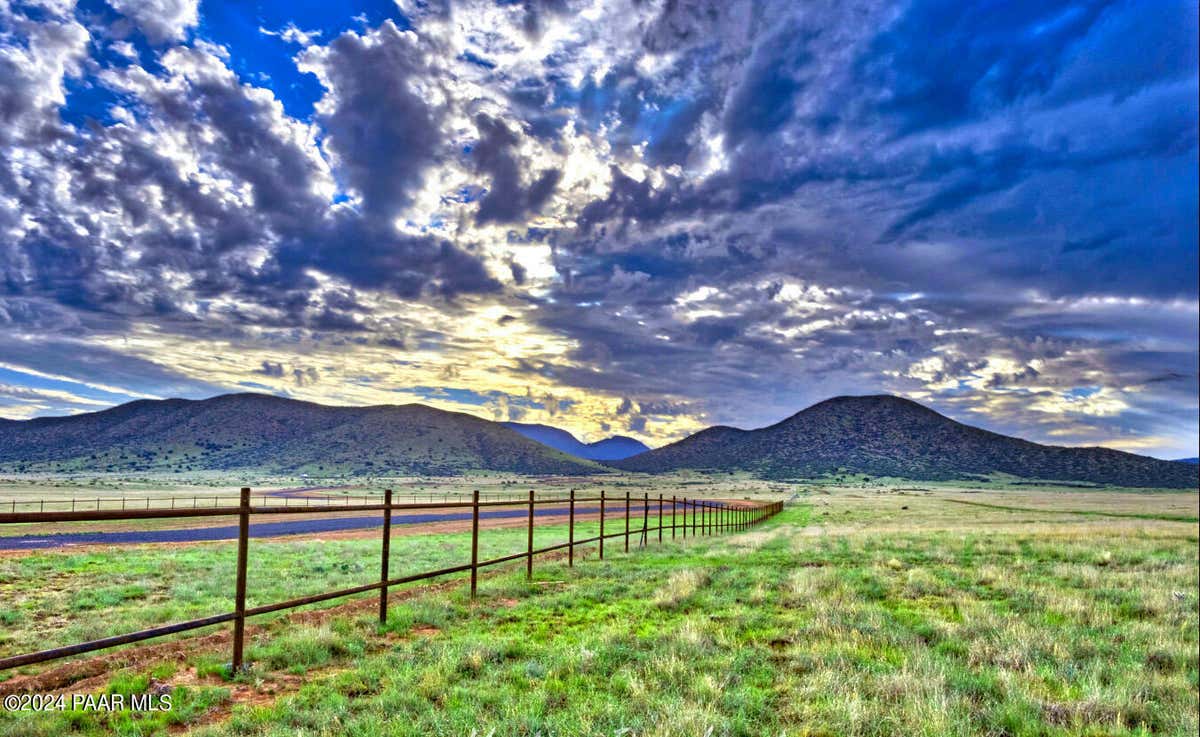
x=256 y=431
x=609 y=449
x=872 y=435
x=890 y=436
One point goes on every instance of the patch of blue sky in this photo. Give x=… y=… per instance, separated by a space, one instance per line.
x=63 y=384
x=257 y=386
x=472 y=58
x=86 y=98
x=963 y=387
x=1089 y=332
x=658 y=116
x=527 y=402
x=267 y=58
x=478 y=399
x=654 y=264
x=466 y=194
x=461 y=396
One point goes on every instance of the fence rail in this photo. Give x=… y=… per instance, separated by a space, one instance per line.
x=708 y=517
x=284 y=497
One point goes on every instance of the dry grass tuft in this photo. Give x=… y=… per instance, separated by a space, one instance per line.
x=680 y=587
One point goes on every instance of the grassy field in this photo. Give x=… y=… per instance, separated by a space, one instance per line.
x=855 y=612
x=34 y=493
x=60 y=598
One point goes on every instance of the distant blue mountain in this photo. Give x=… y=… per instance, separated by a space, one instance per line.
x=609 y=449
x=1187 y=460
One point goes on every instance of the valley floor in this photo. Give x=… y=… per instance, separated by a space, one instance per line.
x=855 y=612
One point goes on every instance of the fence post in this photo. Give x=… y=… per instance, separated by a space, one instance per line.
x=474 y=542
x=602 y=524
x=239 y=600
x=645 y=518
x=660 y=519
x=627 y=522
x=385 y=554
x=673 y=523
x=529 y=542
x=571 y=531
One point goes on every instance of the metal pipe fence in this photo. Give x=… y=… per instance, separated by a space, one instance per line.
x=284 y=497
x=708 y=517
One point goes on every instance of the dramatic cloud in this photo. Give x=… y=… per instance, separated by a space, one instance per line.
x=159 y=20
x=642 y=217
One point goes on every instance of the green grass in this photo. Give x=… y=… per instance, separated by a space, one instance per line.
x=786 y=629
x=58 y=598
x=1086 y=512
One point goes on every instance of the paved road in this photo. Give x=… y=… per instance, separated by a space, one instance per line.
x=267 y=529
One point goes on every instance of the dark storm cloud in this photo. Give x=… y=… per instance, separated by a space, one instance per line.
x=536 y=11
x=506 y=199
x=383 y=130
x=273 y=369
x=763 y=101
x=374 y=255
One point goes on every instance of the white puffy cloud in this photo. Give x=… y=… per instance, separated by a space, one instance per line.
x=160 y=21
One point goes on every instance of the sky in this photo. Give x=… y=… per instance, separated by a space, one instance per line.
x=620 y=217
